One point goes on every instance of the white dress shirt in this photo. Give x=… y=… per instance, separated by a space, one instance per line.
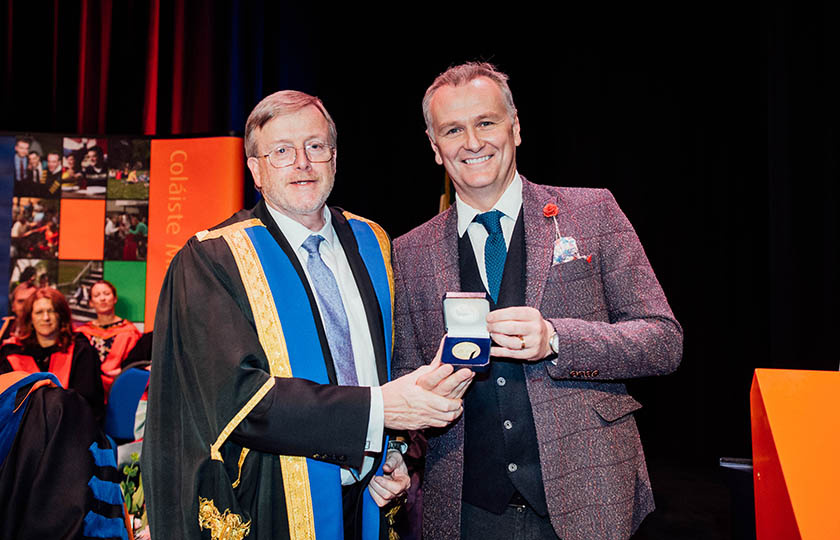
x=334 y=257
x=509 y=204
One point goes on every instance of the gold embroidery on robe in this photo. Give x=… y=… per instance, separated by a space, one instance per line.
x=294 y=469
x=242 y=457
x=385 y=248
x=207 y=234
x=224 y=526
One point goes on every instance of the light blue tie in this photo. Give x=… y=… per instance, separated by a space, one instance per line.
x=335 y=317
x=495 y=251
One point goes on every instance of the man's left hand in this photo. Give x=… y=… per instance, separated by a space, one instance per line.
x=393 y=483
x=520 y=333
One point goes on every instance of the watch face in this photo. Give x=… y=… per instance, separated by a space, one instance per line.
x=554 y=343
x=401 y=446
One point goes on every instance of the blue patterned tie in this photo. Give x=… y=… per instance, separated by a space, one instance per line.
x=335 y=317
x=495 y=251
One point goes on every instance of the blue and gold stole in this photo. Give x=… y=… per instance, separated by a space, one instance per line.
x=290 y=340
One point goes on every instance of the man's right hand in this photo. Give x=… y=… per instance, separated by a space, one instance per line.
x=410 y=406
x=442 y=383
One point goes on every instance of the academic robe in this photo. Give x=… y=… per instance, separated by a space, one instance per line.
x=112 y=343
x=58 y=470
x=77 y=368
x=217 y=420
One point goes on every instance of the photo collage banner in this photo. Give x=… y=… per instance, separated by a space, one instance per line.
x=81 y=209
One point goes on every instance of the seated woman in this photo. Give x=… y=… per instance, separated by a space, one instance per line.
x=113 y=337
x=47 y=343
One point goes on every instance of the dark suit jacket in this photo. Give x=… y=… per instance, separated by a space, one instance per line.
x=207 y=364
x=614 y=323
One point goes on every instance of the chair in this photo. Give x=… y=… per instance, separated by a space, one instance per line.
x=125 y=394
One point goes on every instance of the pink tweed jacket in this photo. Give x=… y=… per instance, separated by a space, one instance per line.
x=614 y=323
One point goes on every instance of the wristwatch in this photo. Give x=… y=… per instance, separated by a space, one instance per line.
x=554 y=343
x=398 y=444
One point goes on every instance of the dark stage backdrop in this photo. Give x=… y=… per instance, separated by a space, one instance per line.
x=714 y=124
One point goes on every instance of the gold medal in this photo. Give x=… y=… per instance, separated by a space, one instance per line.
x=465 y=350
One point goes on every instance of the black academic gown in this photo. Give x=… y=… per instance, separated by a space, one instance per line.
x=85 y=373
x=208 y=363
x=44 y=481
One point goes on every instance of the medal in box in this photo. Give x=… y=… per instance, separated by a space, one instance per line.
x=467 y=342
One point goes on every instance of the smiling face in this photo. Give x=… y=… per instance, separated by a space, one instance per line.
x=53 y=162
x=475 y=139
x=22 y=148
x=45 y=318
x=103 y=299
x=300 y=189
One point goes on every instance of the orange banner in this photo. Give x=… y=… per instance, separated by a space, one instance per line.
x=195 y=184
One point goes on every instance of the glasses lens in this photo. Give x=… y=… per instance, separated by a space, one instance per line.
x=318 y=152
x=282 y=156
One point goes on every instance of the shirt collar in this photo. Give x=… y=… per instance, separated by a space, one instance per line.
x=509 y=204
x=297 y=233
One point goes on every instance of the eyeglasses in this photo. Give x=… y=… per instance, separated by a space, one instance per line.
x=316 y=152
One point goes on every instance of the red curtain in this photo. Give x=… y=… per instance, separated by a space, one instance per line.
x=86 y=65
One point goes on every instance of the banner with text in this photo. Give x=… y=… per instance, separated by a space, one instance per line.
x=198 y=183
x=80 y=209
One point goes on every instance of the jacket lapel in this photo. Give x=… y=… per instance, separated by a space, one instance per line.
x=261 y=212
x=366 y=291
x=447 y=258
x=444 y=255
x=539 y=239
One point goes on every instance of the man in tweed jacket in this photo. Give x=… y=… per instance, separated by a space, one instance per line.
x=548 y=446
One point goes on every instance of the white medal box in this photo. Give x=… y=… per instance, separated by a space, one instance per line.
x=467 y=342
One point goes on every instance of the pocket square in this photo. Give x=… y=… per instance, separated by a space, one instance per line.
x=566 y=250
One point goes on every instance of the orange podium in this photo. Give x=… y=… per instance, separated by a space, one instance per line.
x=796 y=454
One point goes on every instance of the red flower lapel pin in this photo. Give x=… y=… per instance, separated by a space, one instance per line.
x=565 y=247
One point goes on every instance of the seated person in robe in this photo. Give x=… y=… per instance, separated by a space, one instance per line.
x=112 y=336
x=47 y=343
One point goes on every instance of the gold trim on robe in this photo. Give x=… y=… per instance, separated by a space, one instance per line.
x=294 y=469
x=385 y=248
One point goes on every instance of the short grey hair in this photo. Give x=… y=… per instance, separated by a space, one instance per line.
x=279 y=104
x=463 y=74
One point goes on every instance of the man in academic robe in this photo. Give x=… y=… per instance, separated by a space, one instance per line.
x=52 y=175
x=548 y=445
x=269 y=390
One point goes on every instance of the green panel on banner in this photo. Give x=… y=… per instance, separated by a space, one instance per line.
x=129 y=277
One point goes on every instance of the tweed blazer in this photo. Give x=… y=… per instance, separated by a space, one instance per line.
x=614 y=323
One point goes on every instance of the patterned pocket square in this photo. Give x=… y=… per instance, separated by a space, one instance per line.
x=566 y=250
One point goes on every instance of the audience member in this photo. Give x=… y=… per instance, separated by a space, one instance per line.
x=112 y=336
x=46 y=342
x=18 y=298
